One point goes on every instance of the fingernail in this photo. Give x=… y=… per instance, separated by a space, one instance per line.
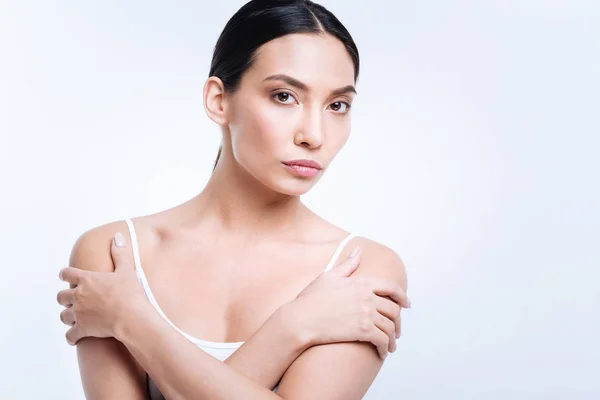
x=119 y=239
x=409 y=303
x=355 y=252
x=60 y=274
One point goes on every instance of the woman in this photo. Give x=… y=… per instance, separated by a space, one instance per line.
x=245 y=265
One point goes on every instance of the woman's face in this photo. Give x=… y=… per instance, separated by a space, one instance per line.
x=292 y=104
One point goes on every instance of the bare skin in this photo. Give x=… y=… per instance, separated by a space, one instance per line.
x=221 y=264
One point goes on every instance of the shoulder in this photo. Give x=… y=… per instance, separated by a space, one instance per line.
x=102 y=359
x=345 y=369
x=91 y=250
x=378 y=260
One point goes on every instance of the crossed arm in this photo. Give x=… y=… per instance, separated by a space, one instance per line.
x=116 y=367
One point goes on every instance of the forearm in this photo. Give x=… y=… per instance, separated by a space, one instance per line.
x=269 y=352
x=183 y=371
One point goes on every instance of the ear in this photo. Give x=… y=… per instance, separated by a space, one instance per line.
x=215 y=101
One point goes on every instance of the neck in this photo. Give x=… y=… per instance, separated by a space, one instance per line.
x=233 y=201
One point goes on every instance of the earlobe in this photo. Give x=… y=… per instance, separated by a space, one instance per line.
x=215 y=103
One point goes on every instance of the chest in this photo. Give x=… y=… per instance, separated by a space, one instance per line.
x=225 y=294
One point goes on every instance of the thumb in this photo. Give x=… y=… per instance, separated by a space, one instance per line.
x=118 y=251
x=346 y=268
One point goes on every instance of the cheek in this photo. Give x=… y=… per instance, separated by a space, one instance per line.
x=338 y=132
x=260 y=135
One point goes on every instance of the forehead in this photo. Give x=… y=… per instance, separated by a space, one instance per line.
x=319 y=60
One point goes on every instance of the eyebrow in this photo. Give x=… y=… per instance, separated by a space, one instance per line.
x=302 y=86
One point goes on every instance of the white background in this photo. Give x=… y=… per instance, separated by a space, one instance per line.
x=473 y=154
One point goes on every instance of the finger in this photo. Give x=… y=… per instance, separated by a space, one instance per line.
x=73 y=335
x=381 y=341
x=387 y=326
x=67 y=316
x=118 y=251
x=390 y=310
x=71 y=275
x=347 y=267
x=66 y=297
x=387 y=287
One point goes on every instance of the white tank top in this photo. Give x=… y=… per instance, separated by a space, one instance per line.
x=219 y=350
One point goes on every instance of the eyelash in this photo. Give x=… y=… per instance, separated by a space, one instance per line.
x=348 y=105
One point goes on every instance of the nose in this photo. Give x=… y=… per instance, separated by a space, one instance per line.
x=311 y=133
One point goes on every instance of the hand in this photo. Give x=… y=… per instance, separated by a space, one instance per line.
x=98 y=301
x=336 y=307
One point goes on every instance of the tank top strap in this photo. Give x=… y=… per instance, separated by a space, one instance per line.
x=138 y=264
x=134 y=246
x=338 y=251
x=144 y=281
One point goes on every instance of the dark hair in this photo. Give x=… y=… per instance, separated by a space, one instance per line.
x=260 y=21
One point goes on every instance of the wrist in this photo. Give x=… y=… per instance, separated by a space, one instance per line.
x=294 y=319
x=130 y=315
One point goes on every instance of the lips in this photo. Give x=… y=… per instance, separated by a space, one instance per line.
x=303 y=168
x=304 y=163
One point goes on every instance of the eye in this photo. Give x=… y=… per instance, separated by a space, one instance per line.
x=283 y=97
x=339 y=105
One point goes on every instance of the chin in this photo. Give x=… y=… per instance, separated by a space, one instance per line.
x=282 y=182
x=292 y=186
